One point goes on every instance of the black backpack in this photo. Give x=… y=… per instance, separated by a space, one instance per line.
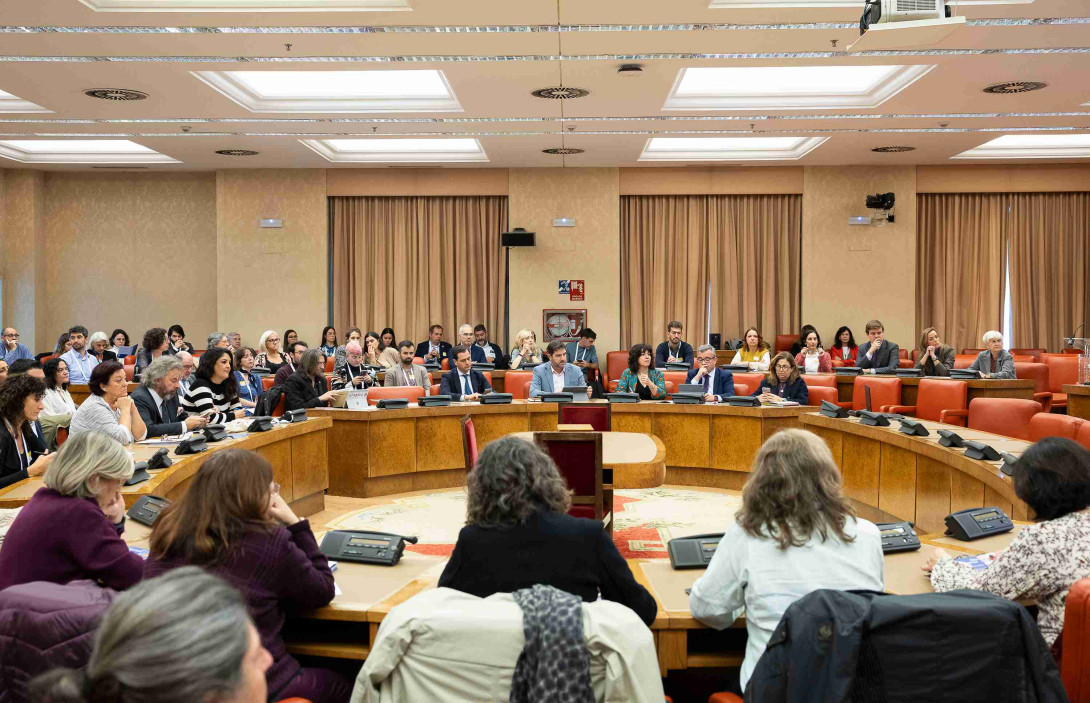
x=268 y=401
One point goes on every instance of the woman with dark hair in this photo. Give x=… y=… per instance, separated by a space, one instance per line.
x=375 y=353
x=800 y=343
x=155 y=344
x=329 y=341
x=234 y=523
x=249 y=385
x=936 y=358
x=1046 y=558
x=21 y=451
x=214 y=391
x=109 y=409
x=290 y=338
x=63 y=345
x=754 y=351
x=177 y=340
x=844 y=348
x=641 y=376
x=389 y=339
x=179 y=638
x=783 y=382
x=307 y=388
x=118 y=338
x=812 y=358
x=58 y=407
x=518 y=534
x=795 y=533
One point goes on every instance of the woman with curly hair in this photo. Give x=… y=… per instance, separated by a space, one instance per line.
x=641 y=376
x=518 y=534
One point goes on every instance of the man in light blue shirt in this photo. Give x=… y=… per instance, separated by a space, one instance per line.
x=583 y=354
x=80 y=362
x=12 y=350
x=556 y=375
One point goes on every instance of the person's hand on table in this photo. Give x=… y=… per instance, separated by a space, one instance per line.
x=711 y=398
x=936 y=556
x=327 y=396
x=239 y=413
x=194 y=421
x=278 y=508
x=767 y=397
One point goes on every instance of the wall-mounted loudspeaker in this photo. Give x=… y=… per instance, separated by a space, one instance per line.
x=518 y=237
x=716 y=340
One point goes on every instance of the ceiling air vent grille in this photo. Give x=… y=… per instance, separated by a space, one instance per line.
x=1014 y=87
x=560 y=93
x=115 y=94
x=893 y=149
x=236 y=152
x=564 y=150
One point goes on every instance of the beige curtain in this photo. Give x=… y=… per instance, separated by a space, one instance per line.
x=960 y=246
x=746 y=248
x=408 y=262
x=1049 y=236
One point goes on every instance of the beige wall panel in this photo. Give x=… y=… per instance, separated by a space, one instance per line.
x=416 y=181
x=1003 y=178
x=22 y=222
x=710 y=180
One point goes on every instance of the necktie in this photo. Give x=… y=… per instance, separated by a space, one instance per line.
x=467 y=389
x=707 y=379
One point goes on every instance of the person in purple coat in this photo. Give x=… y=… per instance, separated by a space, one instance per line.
x=71 y=529
x=234 y=523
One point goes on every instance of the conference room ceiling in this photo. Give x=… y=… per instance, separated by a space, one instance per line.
x=494 y=53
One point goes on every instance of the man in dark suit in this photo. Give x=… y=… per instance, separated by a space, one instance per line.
x=878 y=355
x=492 y=352
x=465 y=338
x=718 y=384
x=434 y=349
x=673 y=349
x=462 y=382
x=157 y=399
x=295 y=355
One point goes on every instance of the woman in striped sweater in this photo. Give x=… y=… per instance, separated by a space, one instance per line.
x=214 y=391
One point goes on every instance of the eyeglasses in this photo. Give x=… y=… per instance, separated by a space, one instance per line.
x=783 y=367
x=273 y=339
x=12 y=336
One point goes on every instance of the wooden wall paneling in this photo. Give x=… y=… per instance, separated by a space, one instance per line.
x=309 y=464
x=279 y=455
x=965 y=492
x=640 y=422
x=734 y=442
x=686 y=437
x=772 y=425
x=490 y=427
x=710 y=478
x=991 y=497
x=388 y=485
x=860 y=466
x=833 y=438
x=932 y=494
x=897 y=482
x=434 y=480
x=544 y=422
x=439 y=443
x=349 y=449
x=398 y=439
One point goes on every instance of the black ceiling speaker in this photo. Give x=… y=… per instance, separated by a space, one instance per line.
x=518 y=237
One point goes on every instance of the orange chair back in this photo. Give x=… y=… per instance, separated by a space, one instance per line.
x=1044 y=425
x=1070 y=350
x=1021 y=357
x=62 y=436
x=445 y=364
x=1083 y=437
x=1075 y=661
x=409 y=393
x=814 y=380
x=279 y=409
x=1062 y=368
x=435 y=389
x=1038 y=372
x=820 y=393
x=915 y=355
x=743 y=388
x=267 y=382
x=418 y=360
x=130 y=371
x=883 y=391
x=964 y=361
x=671 y=387
x=521 y=389
x=469 y=442
x=1035 y=353
x=676 y=377
x=751 y=379
x=512 y=380
x=972 y=352
x=597 y=415
x=46 y=358
x=616 y=363
x=1006 y=416
x=784 y=342
x=902 y=353
x=329 y=364
x=936 y=395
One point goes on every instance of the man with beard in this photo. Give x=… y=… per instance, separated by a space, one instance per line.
x=80 y=362
x=157 y=401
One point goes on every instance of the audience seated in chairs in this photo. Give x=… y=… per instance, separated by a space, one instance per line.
x=718 y=384
x=97 y=344
x=249 y=387
x=290 y=336
x=877 y=355
x=388 y=337
x=1043 y=561
x=518 y=534
x=214 y=392
x=795 y=533
x=234 y=523
x=189 y=365
x=218 y=340
x=492 y=352
x=109 y=408
x=268 y=352
x=462 y=383
x=118 y=338
x=58 y=407
x=71 y=529
x=641 y=376
x=525 y=351
x=674 y=349
x=64 y=345
x=81 y=362
x=155 y=344
x=995 y=361
x=354 y=335
x=3 y=371
x=434 y=348
x=295 y=354
x=754 y=351
x=306 y=388
x=375 y=353
x=22 y=450
x=936 y=358
x=177 y=340
x=407 y=373
x=812 y=358
x=329 y=341
x=465 y=339
x=354 y=375
x=844 y=348
x=12 y=350
x=183 y=637
x=157 y=399
x=783 y=382
x=799 y=344
x=557 y=374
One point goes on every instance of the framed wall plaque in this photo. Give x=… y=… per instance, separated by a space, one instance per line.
x=564 y=325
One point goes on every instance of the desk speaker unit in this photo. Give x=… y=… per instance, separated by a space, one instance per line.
x=380 y=548
x=975 y=523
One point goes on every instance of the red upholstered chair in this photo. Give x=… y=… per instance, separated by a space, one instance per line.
x=1035 y=353
x=743 y=388
x=784 y=342
x=329 y=364
x=130 y=371
x=677 y=377
x=1070 y=350
x=469 y=442
x=883 y=391
x=964 y=361
x=812 y=380
x=751 y=379
x=1062 y=368
x=578 y=456
x=816 y=394
x=724 y=697
x=671 y=388
x=512 y=380
x=1021 y=358
x=1039 y=374
x=1046 y=424
x=1005 y=416
x=1075 y=661
x=279 y=409
x=418 y=360
x=933 y=399
x=62 y=436
x=1083 y=437
x=521 y=390
x=597 y=415
x=902 y=352
x=445 y=364
x=409 y=393
x=973 y=352
x=905 y=364
x=434 y=389
x=267 y=382
x=616 y=363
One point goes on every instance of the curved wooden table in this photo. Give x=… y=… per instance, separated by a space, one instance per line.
x=978 y=387
x=1078 y=400
x=637 y=460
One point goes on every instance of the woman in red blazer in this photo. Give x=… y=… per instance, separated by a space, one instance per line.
x=844 y=348
x=812 y=358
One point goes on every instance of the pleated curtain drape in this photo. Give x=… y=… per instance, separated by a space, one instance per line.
x=960 y=250
x=408 y=262
x=733 y=259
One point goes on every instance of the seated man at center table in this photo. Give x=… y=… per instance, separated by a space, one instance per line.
x=556 y=375
x=718 y=384
x=462 y=383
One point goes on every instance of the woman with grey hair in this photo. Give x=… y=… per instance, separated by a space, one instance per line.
x=178 y=638
x=71 y=529
x=518 y=533
x=307 y=387
x=995 y=361
x=98 y=343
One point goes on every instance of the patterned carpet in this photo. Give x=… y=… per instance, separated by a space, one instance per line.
x=645 y=519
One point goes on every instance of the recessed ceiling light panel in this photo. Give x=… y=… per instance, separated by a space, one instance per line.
x=560 y=93
x=116 y=94
x=335 y=91
x=729 y=148
x=81 y=151
x=383 y=150
x=1015 y=87
x=789 y=87
x=893 y=149
x=247 y=5
x=1032 y=146
x=11 y=103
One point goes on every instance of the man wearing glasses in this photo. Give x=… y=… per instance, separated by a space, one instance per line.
x=188 y=366
x=718 y=384
x=13 y=351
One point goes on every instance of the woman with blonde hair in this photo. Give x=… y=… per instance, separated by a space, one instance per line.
x=795 y=533
x=936 y=359
x=753 y=352
x=525 y=351
x=268 y=352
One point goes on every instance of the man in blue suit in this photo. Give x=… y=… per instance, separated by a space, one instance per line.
x=556 y=375
x=718 y=384
x=433 y=348
x=463 y=383
x=465 y=338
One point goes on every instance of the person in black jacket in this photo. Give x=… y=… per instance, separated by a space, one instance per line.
x=518 y=534
x=307 y=388
x=157 y=399
x=783 y=382
x=454 y=381
x=22 y=451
